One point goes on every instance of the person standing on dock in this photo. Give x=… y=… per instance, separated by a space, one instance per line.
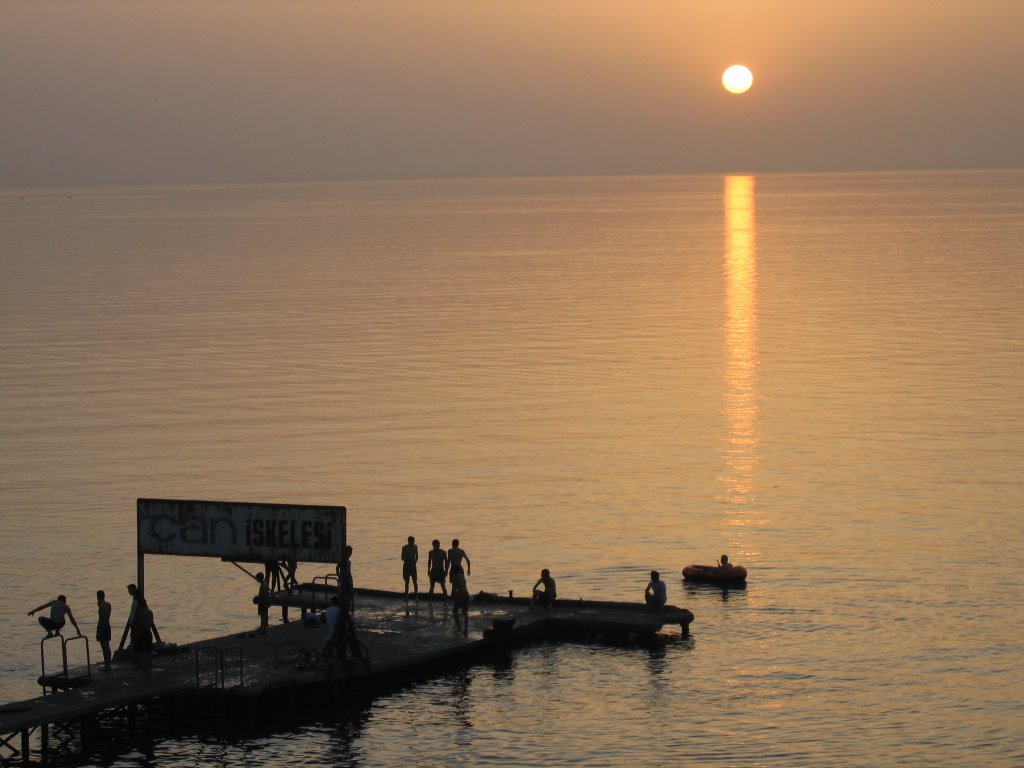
x=410 y=556
x=437 y=565
x=60 y=613
x=142 y=635
x=332 y=615
x=656 y=594
x=544 y=597
x=345 y=582
x=103 y=632
x=460 y=602
x=136 y=594
x=263 y=602
x=290 y=580
x=455 y=557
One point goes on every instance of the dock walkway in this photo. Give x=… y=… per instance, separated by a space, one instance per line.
x=404 y=639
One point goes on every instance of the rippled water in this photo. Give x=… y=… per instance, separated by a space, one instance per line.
x=820 y=375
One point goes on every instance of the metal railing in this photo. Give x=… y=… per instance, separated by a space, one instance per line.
x=63 y=679
x=213 y=674
x=331 y=586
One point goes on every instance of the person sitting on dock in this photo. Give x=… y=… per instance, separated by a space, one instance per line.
x=455 y=557
x=544 y=597
x=60 y=613
x=410 y=556
x=656 y=594
x=437 y=564
x=103 y=632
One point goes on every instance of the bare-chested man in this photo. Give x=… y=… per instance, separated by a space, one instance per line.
x=410 y=556
x=437 y=565
x=456 y=556
x=103 y=631
x=544 y=593
x=59 y=613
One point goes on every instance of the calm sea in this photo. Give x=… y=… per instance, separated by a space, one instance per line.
x=821 y=375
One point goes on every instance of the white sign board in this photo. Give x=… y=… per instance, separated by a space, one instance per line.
x=241 y=531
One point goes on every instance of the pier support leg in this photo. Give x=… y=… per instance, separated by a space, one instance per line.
x=26 y=752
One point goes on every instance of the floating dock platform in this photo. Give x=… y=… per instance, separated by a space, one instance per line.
x=402 y=639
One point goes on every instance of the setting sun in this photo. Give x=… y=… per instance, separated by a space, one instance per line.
x=737 y=79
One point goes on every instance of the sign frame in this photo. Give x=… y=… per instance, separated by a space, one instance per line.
x=246 y=531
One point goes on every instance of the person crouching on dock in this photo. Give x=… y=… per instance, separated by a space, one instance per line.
x=60 y=613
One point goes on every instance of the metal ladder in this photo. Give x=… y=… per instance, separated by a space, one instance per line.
x=62 y=681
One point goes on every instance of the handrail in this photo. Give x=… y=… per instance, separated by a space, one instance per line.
x=43 y=677
x=328 y=579
x=219 y=657
x=199 y=653
x=241 y=665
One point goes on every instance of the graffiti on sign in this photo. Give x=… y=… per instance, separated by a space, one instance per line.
x=241 y=531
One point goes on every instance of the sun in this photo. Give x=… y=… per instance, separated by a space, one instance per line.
x=737 y=79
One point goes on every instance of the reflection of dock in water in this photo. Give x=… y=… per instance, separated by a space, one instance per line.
x=248 y=676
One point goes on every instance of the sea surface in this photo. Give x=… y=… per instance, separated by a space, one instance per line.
x=820 y=375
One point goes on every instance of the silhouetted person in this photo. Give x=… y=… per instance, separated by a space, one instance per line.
x=345 y=583
x=263 y=602
x=724 y=562
x=460 y=602
x=456 y=556
x=656 y=594
x=410 y=556
x=103 y=631
x=544 y=590
x=136 y=594
x=437 y=566
x=332 y=614
x=273 y=570
x=290 y=569
x=142 y=635
x=60 y=613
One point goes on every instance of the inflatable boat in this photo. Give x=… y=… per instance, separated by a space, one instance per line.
x=714 y=574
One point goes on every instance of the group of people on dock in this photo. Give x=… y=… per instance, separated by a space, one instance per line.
x=453 y=566
x=442 y=565
x=140 y=625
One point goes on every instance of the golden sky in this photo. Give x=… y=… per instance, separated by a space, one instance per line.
x=122 y=91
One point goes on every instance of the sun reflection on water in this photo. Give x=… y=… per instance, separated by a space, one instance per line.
x=740 y=394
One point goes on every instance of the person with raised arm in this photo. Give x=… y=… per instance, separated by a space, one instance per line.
x=60 y=614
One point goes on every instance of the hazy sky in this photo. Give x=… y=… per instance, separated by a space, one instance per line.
x=140 y=91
